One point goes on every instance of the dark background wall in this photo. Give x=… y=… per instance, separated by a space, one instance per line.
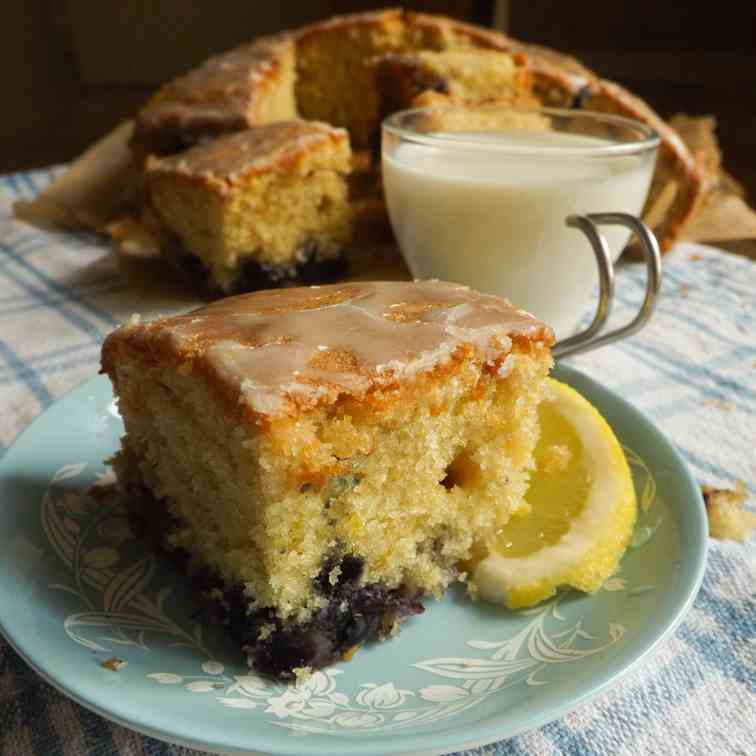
x=71 y=69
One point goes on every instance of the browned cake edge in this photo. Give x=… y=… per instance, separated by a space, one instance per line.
x=165 y=124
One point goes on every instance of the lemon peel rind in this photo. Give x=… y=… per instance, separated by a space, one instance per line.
x=591 y=550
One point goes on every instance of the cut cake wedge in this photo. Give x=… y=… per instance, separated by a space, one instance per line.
x=326 y=456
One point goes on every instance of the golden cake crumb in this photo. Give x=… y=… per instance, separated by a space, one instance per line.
x=728 y=518
x=302 y=675
x=114 y=664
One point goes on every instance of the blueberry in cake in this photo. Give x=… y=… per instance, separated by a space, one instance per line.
x=325 y=457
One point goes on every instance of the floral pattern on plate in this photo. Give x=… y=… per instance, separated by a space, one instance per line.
x=123 y=604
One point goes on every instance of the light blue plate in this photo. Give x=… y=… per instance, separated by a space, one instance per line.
x=76 y=589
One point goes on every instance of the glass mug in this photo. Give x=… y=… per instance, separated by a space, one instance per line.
x=496 y=198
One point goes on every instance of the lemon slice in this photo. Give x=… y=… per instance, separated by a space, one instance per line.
x=582 y=510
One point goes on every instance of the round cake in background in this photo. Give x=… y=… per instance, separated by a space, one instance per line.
x=348 y=72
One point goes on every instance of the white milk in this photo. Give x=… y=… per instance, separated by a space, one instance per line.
x=495 y=219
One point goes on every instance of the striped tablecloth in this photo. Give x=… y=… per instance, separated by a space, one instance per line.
x=693 y=370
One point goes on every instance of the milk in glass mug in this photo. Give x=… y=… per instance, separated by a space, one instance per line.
x=496 y=198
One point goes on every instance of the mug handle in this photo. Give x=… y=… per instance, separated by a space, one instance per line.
x=590 y=338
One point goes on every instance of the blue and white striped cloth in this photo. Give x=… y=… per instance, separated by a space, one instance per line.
x=693 y=370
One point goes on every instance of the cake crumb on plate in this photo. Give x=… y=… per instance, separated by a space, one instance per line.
x=728 y=519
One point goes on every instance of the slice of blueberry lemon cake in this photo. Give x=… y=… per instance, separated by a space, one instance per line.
x=260 y=208
x=325 y=457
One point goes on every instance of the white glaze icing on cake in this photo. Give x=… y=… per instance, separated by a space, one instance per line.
x=231 y=157
x=280 y=349
x=230 y=88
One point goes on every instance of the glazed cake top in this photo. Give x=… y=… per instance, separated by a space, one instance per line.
x=224 y=86
x=247 y=152
x=278 y=350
